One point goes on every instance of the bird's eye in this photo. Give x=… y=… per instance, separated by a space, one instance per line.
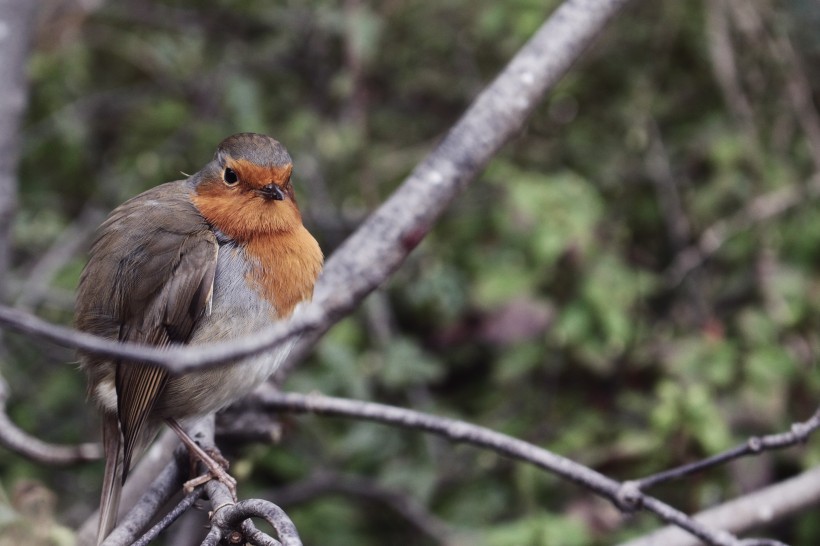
x=230 y=177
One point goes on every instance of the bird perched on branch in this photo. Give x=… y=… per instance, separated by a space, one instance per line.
x=213 y=257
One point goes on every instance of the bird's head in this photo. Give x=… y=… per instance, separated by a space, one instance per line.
x=246 y=190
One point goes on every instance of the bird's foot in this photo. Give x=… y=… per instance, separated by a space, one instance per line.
x=217 y=466
x=213 y=460
x=220 y=475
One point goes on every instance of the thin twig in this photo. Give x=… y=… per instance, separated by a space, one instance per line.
x=280 y=332
x=182 y=506
x=798 y=434
x=255 y=537
x=659 y=168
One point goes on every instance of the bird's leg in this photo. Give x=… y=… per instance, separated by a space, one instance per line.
x=215 y=462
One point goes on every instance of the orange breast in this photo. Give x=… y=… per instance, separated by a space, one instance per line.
x=289 y=264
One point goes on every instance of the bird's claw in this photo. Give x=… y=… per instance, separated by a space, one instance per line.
x=217 y=470
x=223 y=477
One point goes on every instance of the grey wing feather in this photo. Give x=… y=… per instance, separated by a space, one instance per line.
x=159 y=255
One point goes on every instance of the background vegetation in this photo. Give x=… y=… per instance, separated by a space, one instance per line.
x=633 y=283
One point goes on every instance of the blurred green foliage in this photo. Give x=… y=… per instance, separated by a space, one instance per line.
x=546 y=303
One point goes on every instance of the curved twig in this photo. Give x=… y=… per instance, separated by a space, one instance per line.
x=255 y=537
x=230 y=520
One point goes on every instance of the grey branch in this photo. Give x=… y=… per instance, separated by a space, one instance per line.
x=798 y=434
x=232 y=518
x=763 y=507
x=184 y=505
x=626 y=496
x=385 y=239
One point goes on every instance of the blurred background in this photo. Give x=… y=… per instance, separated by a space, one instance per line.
x=634 y=282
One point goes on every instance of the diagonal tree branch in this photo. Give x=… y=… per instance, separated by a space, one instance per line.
x=382 y=243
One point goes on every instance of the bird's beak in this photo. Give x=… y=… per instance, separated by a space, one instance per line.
x=272 y=191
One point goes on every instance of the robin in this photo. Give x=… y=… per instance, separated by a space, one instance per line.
x=216 y=256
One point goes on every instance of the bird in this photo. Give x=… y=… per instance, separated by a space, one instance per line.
x=215 y=256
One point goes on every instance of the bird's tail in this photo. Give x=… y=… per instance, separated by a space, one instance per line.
x=112 y=480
